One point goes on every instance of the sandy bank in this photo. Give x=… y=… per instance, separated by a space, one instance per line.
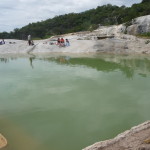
x=137 y=138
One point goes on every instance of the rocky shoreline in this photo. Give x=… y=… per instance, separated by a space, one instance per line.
x=117 y=39
x=124 y=44
x=137 y=138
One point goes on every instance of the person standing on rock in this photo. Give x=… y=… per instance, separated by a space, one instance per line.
x=29 y=40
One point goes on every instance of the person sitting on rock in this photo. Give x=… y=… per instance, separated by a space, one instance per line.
x=67 y=42
x=2 y=42
x=62 y=41
x=32 y=43
x=58 y=41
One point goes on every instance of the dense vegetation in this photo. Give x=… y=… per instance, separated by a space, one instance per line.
x=74 y=22
x=144 y=35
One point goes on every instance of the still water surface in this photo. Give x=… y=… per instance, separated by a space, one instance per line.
x=68 y=103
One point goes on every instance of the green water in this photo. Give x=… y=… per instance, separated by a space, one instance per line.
x=68 y=103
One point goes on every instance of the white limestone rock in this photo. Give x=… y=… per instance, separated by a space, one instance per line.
x=139 y=25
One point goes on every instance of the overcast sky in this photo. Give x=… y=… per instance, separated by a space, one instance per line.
x=17 y=13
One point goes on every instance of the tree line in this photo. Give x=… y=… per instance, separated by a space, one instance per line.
x=84 y=21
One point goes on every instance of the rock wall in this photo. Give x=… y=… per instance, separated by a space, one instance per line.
x=110 y=30
x=139 y=25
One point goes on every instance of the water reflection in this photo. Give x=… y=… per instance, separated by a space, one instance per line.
x=85 y=98
x=128 y=66
x=31 y=61
x=5 y=60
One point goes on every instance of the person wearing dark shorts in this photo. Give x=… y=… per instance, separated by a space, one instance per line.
x=29 y=39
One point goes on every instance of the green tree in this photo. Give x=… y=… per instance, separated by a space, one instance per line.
x=74 y=22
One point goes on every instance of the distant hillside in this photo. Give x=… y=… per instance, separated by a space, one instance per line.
x=74 y=22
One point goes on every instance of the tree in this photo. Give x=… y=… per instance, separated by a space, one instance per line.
x=145 y=1
x=88 y=20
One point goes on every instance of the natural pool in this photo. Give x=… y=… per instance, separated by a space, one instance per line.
x=70 y=102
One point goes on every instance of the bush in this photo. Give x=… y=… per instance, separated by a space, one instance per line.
x=145 y=35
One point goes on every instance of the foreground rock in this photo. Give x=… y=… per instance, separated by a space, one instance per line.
x=3 y=141
x=137 y=138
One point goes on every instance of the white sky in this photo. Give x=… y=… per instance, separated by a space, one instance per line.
x=18 y=13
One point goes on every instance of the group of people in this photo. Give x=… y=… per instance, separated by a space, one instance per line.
x=62 y=42
x=2 y=42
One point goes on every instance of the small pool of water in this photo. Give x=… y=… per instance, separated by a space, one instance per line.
x=69 y=102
